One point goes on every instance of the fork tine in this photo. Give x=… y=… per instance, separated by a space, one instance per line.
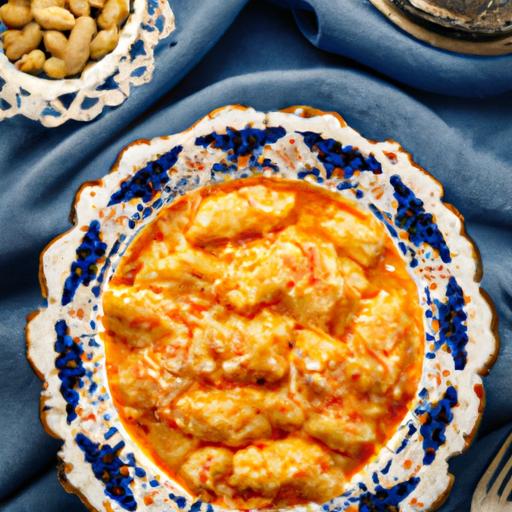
x=495 y=462
x=503 y=473
x=508 y=488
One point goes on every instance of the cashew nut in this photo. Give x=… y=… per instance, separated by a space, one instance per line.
x=32 y=62
x=55 y=42
x=43 y=4
x=16 y=13
x=55 y=68
x=113 y=14
x=20 y=42
x=26 y=20
x=54 y=18
x=9 y=36
x=104 y=43
x=77 y=50
x=79 y=7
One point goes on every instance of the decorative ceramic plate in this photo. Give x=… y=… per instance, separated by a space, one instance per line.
x=264 y=311
x=106 y=83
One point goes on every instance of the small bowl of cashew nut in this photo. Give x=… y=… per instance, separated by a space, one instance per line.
x=69 y=59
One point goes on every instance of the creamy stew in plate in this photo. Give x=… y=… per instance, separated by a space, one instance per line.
x=264 y=339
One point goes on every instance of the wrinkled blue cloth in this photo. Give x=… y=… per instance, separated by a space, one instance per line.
x=356 y=29
x=261 y=59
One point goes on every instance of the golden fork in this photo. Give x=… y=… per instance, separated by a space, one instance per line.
x=498 y=496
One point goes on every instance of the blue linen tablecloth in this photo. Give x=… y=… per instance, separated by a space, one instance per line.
x=237 y=51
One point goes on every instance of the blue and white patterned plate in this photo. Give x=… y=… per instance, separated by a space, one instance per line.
x=101 y=463
x=106 y=83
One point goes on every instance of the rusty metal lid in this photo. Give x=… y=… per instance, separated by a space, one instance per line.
x=478 y=27
x=469 y=18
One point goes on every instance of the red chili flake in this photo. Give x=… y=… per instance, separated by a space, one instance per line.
x=391 y=156
x=171 y=423
x=324 y=465
x=479 y=390
x=355 y=416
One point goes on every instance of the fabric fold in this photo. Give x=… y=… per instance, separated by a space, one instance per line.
x=261 y=60
x=356 y=29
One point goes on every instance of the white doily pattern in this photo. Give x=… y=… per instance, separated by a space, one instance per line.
x=104 y=84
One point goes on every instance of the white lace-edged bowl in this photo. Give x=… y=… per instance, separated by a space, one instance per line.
x=106 y=83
